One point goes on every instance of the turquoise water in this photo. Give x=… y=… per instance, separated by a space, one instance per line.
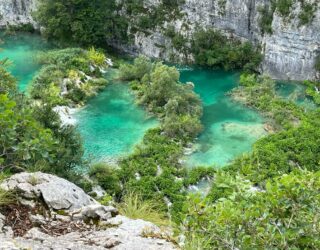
x=111 y=124
x=230 y=129
x=21 y=49
x=295 y=92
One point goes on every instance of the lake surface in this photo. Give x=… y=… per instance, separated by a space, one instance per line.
x=112 y=124
x=230 y=129
x=21 y=49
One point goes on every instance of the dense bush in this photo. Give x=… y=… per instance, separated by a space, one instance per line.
x=153 y=170
x=69 y=76
x=283 y=216
x=213 y=49
x=32 y=137
x=80 y=21
x=295 y=146
x=106 y=176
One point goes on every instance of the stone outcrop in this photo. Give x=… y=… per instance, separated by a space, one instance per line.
x=62 y=216
x=290 y=51
x=56 y=192
x=16 y=12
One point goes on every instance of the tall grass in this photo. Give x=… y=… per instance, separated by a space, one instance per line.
x=6 y=197
x=134 y=207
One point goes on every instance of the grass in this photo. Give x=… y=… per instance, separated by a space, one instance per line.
x=6 y=197
x=134 y=207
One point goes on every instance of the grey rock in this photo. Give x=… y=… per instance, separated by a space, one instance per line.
x=57 y=193
x=2 y=219
x=15 y=12
x=98 y=212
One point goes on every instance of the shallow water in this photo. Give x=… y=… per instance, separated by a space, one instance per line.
x=230 y=129
x=21 y=50
x=295 y=92
x=111 y=124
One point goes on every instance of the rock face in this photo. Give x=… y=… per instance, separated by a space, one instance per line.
x=56 y=192
x=290 y=51
x=15 y=12
x=85 y=224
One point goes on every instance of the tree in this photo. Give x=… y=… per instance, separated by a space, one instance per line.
x=81 y=21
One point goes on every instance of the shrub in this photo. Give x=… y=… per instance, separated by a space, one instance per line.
x=284 y=216
x=7 y=197
x=134 y=207
x=213 y=49
x=107 y=177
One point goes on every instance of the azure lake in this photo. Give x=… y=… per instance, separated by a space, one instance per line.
x=111 y=124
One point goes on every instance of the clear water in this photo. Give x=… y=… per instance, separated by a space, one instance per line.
x=21 y=50
x=230 y=129
x=111 y=124
x=295 y=92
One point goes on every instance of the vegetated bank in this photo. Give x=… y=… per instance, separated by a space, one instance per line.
x=266 y=198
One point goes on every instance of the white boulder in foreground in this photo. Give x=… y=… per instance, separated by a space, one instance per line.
x=84 y=223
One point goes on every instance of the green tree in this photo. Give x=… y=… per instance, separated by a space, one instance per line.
x=80 y=21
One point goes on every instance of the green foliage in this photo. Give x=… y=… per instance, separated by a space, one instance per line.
x=107 y=177
x=259 y=93
x=74 y=72
x=80 y=21
x=7 y=197
x=153 y=170
x=196 y=174
x=284 y=216
x=313 y=91
x=295 y=147
x=266 y=17
x=134 y=207
x=307 y=12
x=148 y=18
x=213 y=49
x=284 y=7
x=24 y=142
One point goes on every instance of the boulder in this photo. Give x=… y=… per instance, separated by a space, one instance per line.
x=84 y=224
x=57 y=193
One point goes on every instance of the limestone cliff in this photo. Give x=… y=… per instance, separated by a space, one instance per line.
x=290 y=51
x=15 y=12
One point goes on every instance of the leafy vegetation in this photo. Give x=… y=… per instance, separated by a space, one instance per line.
x=81 y=22
x=283 y=216
x=268 y=198
x=211 y=48
x=107 y=178
x=313 y=91
x=32 y=137
x=7 y=197
x=69 y=76
x=153 y=170
x=135 y=207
